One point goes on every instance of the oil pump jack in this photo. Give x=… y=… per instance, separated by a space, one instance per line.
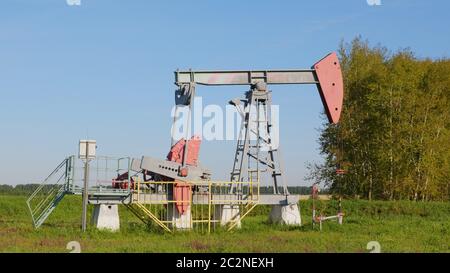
x=257 y=151
x=179 y=182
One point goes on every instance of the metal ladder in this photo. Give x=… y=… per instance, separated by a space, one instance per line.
x=51 y=191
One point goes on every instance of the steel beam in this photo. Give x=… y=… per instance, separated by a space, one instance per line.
x=231 y=77
x=172 y=169
x=222 y=199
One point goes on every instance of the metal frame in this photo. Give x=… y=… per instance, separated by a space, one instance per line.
x=152 y=202
x=322 y=218
x=247 y=156
x=62 y=180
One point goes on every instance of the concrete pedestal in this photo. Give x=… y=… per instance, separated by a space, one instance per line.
x=227 y=214
x=106 y=217
x=179 y=221
x=286 y=215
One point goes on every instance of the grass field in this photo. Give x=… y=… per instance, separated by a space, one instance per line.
x=398 y=227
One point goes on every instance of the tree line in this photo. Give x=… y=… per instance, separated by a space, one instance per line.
x=21 y=189
x=393 y=140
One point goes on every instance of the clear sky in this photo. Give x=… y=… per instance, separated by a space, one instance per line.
x=104 y=69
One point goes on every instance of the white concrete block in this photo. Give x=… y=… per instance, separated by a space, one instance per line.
x=106 y=217
x=286 y=215
x=227 y=214
x=179 y=221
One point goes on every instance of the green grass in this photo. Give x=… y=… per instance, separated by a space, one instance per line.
x=398 y=226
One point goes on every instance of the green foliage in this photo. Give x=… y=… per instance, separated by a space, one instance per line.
x=21 y=189
x=393 y=138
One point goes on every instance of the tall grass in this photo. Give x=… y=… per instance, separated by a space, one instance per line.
x=399 y=227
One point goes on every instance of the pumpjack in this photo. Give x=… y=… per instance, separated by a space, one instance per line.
x=256 y=152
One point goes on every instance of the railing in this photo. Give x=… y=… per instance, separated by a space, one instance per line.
x=103 y=173
x=51 y=191
x=199 y=205
x=171 y=205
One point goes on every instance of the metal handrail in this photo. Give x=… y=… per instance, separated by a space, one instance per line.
x=44 y=205
x=142 y=200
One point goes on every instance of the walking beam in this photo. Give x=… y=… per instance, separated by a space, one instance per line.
x=326 y=74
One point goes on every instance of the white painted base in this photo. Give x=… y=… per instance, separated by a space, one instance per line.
x=180 y=221
x=286 y=215
x=227 y=214
x=106 y=217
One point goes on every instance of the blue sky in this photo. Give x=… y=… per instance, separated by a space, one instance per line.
x=105 y=69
